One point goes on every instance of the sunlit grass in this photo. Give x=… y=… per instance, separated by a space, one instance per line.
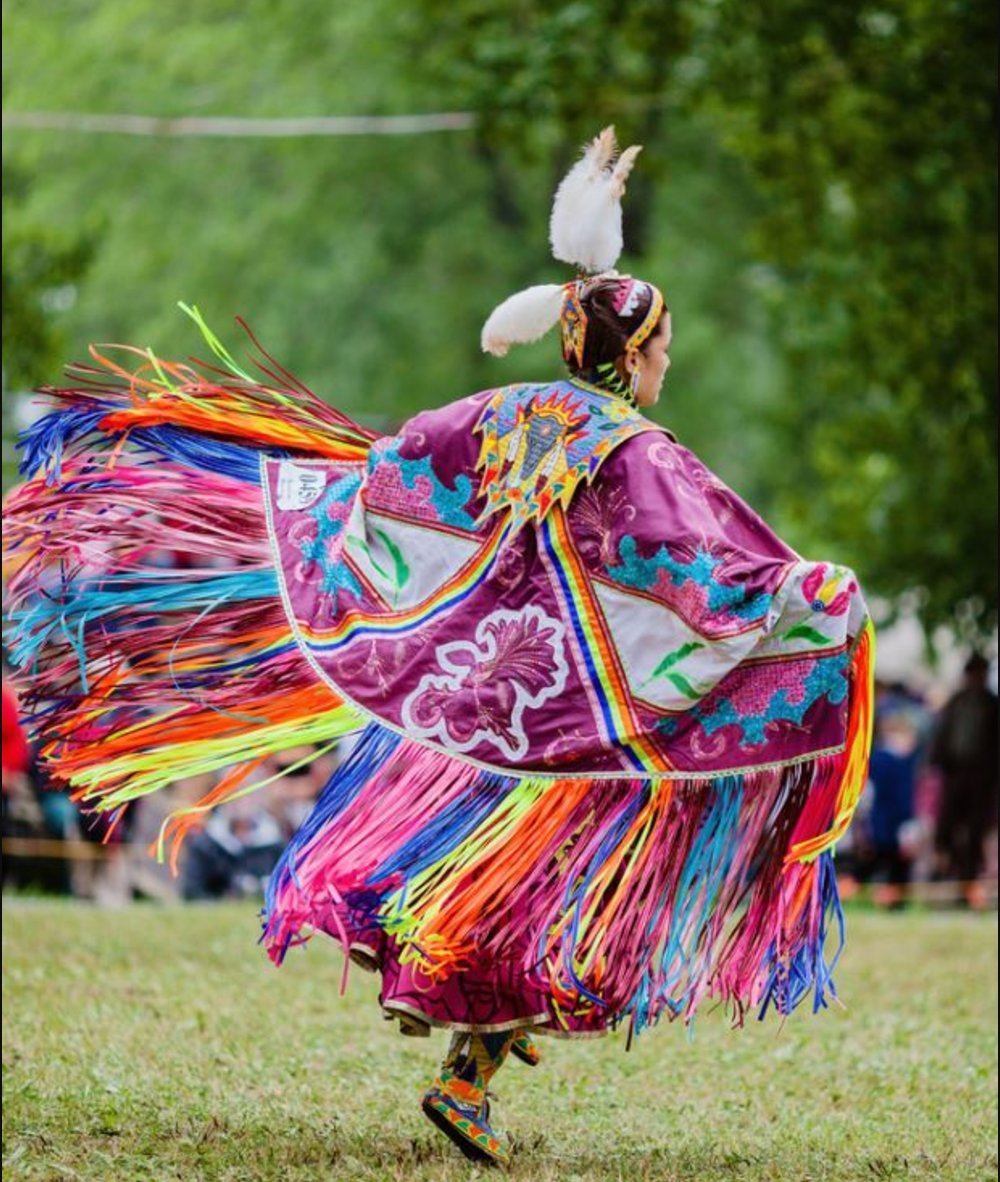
x=160 y=1044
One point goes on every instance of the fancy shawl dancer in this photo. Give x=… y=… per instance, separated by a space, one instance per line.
x=611 y=726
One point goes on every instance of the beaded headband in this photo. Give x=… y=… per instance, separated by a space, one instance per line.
x=630 y=292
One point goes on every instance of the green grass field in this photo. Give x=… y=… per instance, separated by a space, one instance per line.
x=156 y=1043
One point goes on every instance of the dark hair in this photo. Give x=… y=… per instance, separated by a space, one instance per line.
x=608 y=331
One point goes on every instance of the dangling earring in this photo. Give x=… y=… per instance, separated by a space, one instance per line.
x=634 y=382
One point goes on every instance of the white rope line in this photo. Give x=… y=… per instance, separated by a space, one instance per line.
x=222 y=125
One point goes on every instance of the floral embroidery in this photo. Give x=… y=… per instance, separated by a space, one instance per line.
x=516 y=662
x=699 y=641
x=511 y=566
x=376 y=665
x=698 y=578
x=828 y=589
x=598 y=522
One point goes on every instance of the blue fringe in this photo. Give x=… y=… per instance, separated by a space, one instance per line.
x=82 y=602
x=191 y=448
x=374 y=747
x=576 y=892
x=706 y=867
x=45 y=443
x=809 y=970
x=704 y=870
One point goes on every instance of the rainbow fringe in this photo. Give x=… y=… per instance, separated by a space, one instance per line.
x=138 y=673
x=632 y=898
x=639 y=897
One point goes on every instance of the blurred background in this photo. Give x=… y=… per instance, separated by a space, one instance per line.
x=363 y=183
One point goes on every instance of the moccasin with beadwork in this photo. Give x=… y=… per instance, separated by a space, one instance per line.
x=526 y=1049
x=461 y=1111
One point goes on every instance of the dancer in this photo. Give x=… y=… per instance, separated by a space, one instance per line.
x=611 y=725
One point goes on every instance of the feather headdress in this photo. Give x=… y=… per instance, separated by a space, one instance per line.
x=585 y=229
x=523 y=317
x=586 y=224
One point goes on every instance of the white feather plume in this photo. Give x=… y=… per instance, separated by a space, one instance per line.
x=522 y=317
x=586 y=224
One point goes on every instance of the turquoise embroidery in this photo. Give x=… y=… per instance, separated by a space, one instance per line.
x=643 y=573
x=337 y=576
x=449 y=504
x=827 y=678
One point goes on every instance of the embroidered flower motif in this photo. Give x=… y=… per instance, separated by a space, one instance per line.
x=599 y=522
x=375 y=666
x=661 y=453
x=564 y=748
x=511 y=566
x=516 y=662
x=302 y=535
x=825 y=591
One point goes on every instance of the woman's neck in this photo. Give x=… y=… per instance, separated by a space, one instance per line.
x=607 y=378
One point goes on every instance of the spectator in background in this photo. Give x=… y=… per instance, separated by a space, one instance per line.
x=302 y=776
x=233 y=855
x=14 y=753
x=32 y=817
x=892 y=774
x=235 y=852
x=964 y=749
x=19 y=809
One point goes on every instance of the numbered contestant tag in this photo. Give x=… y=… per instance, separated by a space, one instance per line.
x=299 y=487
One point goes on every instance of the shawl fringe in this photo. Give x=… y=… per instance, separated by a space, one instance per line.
x=633 y=898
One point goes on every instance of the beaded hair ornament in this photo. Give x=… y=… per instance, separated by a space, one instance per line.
x=585 y=229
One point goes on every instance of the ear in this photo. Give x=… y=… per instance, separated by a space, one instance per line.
x=631 y=361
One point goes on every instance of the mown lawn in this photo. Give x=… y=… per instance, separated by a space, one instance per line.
x=154 y=1043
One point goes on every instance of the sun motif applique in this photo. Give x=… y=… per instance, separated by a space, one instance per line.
x=538 y=443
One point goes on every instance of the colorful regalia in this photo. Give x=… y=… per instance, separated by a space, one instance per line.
x=610 y=726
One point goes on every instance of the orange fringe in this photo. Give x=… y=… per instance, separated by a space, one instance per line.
x=857 y=749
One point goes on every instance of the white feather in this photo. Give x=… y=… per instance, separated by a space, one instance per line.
x=586 y=223
x=522 y=317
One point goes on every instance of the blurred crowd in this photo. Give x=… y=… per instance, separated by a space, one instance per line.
x=929 y=811
x=50 y=845
x=926 y=826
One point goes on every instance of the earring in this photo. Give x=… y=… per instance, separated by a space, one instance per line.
x=634 y=382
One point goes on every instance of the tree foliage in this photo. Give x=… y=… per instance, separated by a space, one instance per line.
x=871 y=133
x=41 y=263
x=816 y=198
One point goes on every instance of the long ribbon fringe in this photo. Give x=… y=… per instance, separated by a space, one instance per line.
x=640 y=898
x=635 y=898
x=142 y=672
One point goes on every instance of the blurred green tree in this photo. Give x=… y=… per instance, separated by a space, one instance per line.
x=817 y=198
x=870 y=130
x=41 y=265
x=368 y=264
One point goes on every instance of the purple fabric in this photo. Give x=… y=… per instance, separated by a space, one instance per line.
x=656 y=626
x=500 y=996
